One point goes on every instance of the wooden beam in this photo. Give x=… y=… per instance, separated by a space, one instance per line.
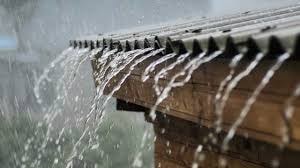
x=127 y=106
x=177 y=140
x=195 y=100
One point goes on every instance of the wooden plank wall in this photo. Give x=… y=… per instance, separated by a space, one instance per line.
x=177 y=141
x=195 y=101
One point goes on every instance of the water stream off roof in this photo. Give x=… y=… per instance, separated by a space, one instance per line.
x=72 y=127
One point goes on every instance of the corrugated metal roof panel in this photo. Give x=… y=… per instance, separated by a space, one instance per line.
x=242 y=32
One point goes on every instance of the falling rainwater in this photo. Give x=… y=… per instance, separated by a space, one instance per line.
x=234 y=63
x=288 y=114
x=70 y=60
x=245 y=110
x=137 y=162
x=68 y=63
x=115 y=66
x=102 y=63
x=233 y=83
x=163 y=72
x=187 y=70
x=75 y=71
x=45 y=74
x=131 y=68
x=117 y=63
x=151 y=67
x=124 y=77
x=108 y=71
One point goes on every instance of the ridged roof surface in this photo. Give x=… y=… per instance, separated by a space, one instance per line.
x=272 y=31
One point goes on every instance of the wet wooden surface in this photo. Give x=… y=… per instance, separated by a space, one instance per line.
x=195 y=100
x=177 y=141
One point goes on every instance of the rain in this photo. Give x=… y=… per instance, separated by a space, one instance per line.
x=57 y=98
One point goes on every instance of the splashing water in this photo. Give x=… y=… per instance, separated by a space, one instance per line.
x=110 y=70
x=46 y=72
x=233 y=64
x=78 y=64
x=69 y=65
x=163 y=72
x=123 y=79
x=288 y=113
x=244 y=112
x=101 y=63
x=70 y=68
x=66 y=62
x=115 y=66
x=71 y=76
x=70 y=60
x=117 y=63
x=118 y=67
x=112 y=62
x=152 y=66
x=187 y=70
x=138 y=162
x=233 y=83
x=131 y=68
x=198 y=156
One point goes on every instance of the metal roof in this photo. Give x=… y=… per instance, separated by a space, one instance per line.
x=269 y=31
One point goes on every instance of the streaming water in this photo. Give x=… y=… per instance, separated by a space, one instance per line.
x=198 y=156
x=163 y=72
x=288 y=114
x=138 y=162
x=107 y=72
x=69 y=64
x=77 y=65
x=104 y=63
x=46 y=72
x=124 y=77
x=70 y=71
x=109 y=65
x=233 y=64
x=245 y=110
x=233 y=83
x=69 y=61
x=152 y=66
x=117 y=66
x=114 y=67
x=188 y=69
